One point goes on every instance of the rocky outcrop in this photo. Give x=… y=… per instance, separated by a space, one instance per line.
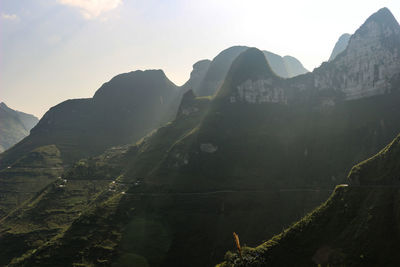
x=285 y=67
x=208 y=148
x=260 y=91
x=371 y=63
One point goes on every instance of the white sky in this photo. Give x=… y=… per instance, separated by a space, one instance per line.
x=53 y=50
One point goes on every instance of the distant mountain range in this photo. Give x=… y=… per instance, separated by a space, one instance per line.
x=122 y=111
x=238 y=148
x=14 y=126
x=285 y=67
x=128 y=107
x=340 y=45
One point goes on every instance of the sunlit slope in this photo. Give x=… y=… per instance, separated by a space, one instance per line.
x=285 y=67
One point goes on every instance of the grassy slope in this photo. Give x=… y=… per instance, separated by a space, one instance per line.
x=45 y=219
x=21 y=180
x=14 y=126
x=357 y=226
x=51 y=211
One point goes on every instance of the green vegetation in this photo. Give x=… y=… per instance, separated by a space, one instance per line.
x=285 y=67
x=218 y=168
x=224 y=165
x=28 y=175
x=122 y=111
x=349 y=229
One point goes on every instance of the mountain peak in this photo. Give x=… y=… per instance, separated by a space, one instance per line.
x=383 y=16
x=381 y=23
x=251 y=79
x=133 y=82
x=249 y=65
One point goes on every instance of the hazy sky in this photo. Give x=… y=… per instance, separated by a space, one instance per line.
x=53 y=50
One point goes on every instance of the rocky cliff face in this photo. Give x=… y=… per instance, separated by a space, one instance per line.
x=369 y=66
x=31 y=173
x=259 y=91
x=371 y=63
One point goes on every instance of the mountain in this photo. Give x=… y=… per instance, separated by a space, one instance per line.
x=14 y=126
x=285 y=67
x=30 y=174
x=357 y=226
x=122 y=111
x=293 y=67
x=340 y=45
x=197 y=75
x=256 y=157
x=373 y=53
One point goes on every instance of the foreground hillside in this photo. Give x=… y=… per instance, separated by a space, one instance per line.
x=357 y=226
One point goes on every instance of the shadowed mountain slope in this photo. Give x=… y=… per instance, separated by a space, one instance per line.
x=357 y=226
x=122 y=111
